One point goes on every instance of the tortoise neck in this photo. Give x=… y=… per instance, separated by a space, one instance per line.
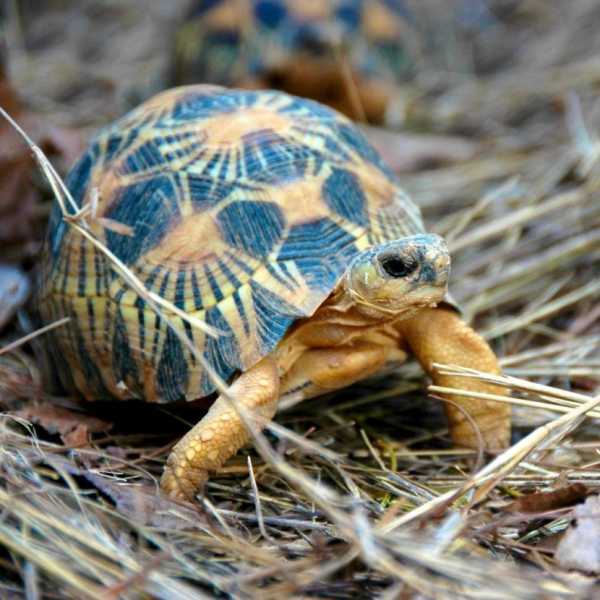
x=341 y=304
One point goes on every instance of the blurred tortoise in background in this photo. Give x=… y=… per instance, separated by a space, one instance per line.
x=346 y=53
x=349 y=54
x=271 y=219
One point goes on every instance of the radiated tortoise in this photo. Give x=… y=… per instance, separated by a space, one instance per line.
x=272 y=220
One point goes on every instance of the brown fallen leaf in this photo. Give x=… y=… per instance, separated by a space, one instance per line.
x=74 y=428
x=539 y=502
x=18 y=196
x=580 y=547
x=146 y=505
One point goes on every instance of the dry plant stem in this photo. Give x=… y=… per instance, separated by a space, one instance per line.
x=519 y=217
x=591 y=289
x=509 y=382
x=562 y=406
x=27 y=338
x=503 y=464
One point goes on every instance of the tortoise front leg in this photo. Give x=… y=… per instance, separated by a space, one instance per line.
x=221 y=433
x=440 y=335
x=322 y=370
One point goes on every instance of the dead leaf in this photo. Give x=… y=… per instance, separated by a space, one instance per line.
x=540 y=502
x=580 y=547
x=146 y=505
x=18 y=196
x=74 y=428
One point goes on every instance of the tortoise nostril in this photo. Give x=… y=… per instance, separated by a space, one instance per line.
x=397 y=266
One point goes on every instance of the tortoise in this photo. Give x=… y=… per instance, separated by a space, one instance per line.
x=271 y=219
x=299 y=46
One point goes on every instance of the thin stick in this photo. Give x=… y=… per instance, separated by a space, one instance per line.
x=257 y=505
x=30 y=336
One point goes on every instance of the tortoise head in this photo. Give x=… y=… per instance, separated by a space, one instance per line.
x=399 y=276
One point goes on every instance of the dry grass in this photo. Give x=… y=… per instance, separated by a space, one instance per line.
x=360 y=494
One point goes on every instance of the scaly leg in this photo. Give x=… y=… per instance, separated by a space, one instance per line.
x=221 y=433
x=439 y=335
x=322 y=370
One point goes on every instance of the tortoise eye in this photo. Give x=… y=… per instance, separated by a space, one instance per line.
x=396 y=266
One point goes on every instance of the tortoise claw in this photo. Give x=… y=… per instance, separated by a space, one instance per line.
x=182 y=483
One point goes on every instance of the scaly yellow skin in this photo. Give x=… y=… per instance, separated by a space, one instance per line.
x=327 y=353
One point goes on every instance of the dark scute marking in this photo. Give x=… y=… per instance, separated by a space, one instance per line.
x=197 y=105
x=153 y=275
x=273 y=317
x=140 y=305
x=98 y=270
x=179 y=300
x=270 y=158
x=222 y=353
x=241 y=311
x=113 y=145
x=79 y=176
x=91 y=314
x=240 y=263
x=66 y=269
x=199 y=9
x=124 y=365
x=289 y=284
x=349 y=13
x=172 y=371
x=87 y=365
x=270 y=13
x=56 y=232
x=214 y=286
x=304 y=107
x=335 y=149
x=144 y=158
x=157 y=319
x=77 y=182
x=400 y=9
x=309 y=37
x=190 y=336
x=344 y=196
x=150 y=209
x=82 y=267
x=235 y=282
x=320 y=239
x=206 y=192
x=321 y=251
x=254 y=227
x=357 y=141
x=228 y=38
x=196 y=291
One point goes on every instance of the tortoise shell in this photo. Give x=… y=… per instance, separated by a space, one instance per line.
x=242 y=208
x=298 y=46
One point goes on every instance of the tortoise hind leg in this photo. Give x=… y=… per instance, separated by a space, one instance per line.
x=440 y=335
x=221 y=433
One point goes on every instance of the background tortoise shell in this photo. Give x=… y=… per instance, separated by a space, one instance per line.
x=243 y=208
x=298 y=46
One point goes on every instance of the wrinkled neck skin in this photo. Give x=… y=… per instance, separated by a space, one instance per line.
x=344 y=308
